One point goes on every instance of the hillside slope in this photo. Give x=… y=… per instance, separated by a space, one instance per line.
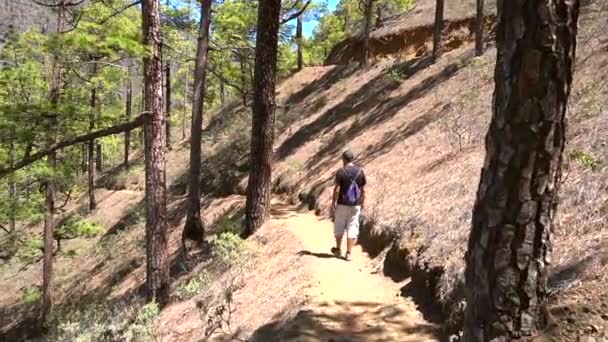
x=418 y=130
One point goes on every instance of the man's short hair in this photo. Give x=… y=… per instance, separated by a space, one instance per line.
x=348 y=156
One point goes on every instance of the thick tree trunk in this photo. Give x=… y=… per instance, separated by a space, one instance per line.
x=262 y=126
x=299 y=42
x=510 y=243
x=128 y=114
x=168 y=101
x=91 y=152
x=156 y=193
x=369 y=5
x=479 y=29
x=438 y=29
x=184 y=114
x=193 y=229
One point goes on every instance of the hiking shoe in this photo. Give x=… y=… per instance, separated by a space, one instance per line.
x=336 y=251
x=348 y=257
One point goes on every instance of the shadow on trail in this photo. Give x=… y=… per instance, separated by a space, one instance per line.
x=318 y=255
x=352 y=322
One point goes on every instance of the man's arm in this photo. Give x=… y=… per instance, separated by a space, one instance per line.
x=334 y=199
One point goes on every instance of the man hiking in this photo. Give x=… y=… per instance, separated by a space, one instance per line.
x=348 y=198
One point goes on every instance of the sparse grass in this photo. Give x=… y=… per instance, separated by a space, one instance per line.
x=194 y=286
x=229 y=250
x=586 y=159
x=30 y=250
x=228 y=224
x=129 y=179
x=31 y=294
x=105 y=322
x=76 y=226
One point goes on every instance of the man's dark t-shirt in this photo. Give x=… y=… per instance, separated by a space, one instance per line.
x=344 y=177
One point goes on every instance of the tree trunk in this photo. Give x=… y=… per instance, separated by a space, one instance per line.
x=186 y=85
x=510 y=242
x=479 y=29
x=299 y=42
x=244 y=87
x=128 y=114
x=379 y=16
x=194 y=229
x=157 y=282
x=12 y=190
x=168 y=101
x=99 y=158
x=222 y=91
x=84 y=162
x=369 y=5
x=262 y=125
x=49 y=182
x=438 y=29
x=91 y=146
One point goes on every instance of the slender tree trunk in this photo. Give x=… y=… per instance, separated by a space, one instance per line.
x=479 y=29
x=510 y=242
x=369 y=5
x=438 y=29
x=91 y=145
x=244 y=79
x=262 y=125
x=84 y=161
x=194 y=230
x=99 y=158
x=168 y=101
x=378 y=16
x=128 y=114
x=49 y=182
x=184 y=114
x=299 y=42
x=157 y=284
x=222 y=91
x=12 y=189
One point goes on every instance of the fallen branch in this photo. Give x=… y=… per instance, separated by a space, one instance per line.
x=127 y=126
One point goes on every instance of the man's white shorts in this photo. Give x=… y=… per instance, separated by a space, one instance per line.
x=347 y=220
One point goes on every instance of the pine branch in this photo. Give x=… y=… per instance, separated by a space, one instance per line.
x=297 y=14
x=120 y=128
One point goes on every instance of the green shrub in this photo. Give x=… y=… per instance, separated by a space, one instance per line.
x=142 y=329
x=194 y=286
x=76 y=226
x=31 y=294
x=228 y=224
x=30 y=250
x=229 y=249
x=586 y=159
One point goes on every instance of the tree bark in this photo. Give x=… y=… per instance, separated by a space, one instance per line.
x=128 y=114
x=91 y=147
x=262 y=125
x=194 y=229
x=368 y=7
x=479 y=28
x=244 y=81
x=299 y=42
x=222 y=91
x=49 y=182
x=184 y=114
x=438 y=29
x=12 y=189
x=157 y=283
x=99 y=158
x=510 y=242
x=168 y=100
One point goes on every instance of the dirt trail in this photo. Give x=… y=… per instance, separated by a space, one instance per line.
x=347 y=302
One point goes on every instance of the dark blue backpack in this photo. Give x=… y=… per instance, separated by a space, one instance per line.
x=352 y=195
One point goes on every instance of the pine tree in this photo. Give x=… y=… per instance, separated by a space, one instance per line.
x=262 y=126
x=193 y=229
x=438 y=29
x=510 y=242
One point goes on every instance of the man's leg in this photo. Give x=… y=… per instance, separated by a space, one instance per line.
x=352 y=230
x=340 y=224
